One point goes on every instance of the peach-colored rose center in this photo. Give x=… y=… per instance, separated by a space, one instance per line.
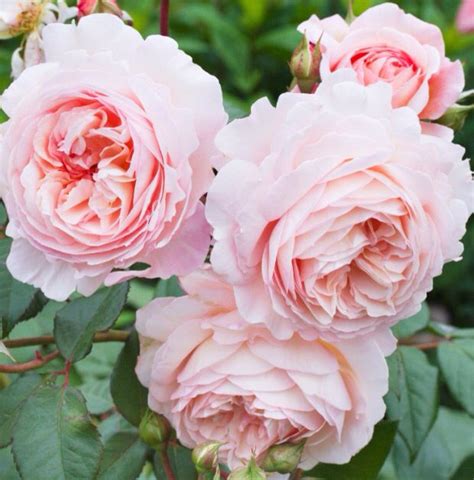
x=352 y=269
x=82 y=156
x=386 y=63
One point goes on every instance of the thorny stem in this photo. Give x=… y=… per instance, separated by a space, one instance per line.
x=164 y=17
x=37 y=362
x=167 y=465
x=100 y=337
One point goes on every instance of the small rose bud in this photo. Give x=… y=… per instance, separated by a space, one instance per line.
x=154 y=430
x=250 y=472
x=305 y=63
x=455 y=116
x=283 y=458
x=86 y=7
x=205 y=456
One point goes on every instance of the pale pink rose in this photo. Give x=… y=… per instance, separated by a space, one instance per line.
x=465 y=17
x=217 y=377
x=387 y=44
x=334 y=210
x=106 y=154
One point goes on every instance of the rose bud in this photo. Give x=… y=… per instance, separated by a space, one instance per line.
x=250 y=472
x=154 y=430
x=86 y=7
x=205 y=456
x=283 y=458
x=455 y=116
x=19 y=17
x=304 y=65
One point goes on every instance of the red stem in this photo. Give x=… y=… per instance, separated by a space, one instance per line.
x=37 y=362
x=166 y=465
x=164 y=17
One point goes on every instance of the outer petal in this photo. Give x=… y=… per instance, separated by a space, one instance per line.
x=55 y=278
x=445 y=88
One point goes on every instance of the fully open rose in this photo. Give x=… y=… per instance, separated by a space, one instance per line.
x=105 y=157
x=216 y=377
x=387 y=44
x=343 y=213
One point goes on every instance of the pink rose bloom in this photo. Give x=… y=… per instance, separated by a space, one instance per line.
x=217 y=377
x=343 y=211
x=387 y=44
x=465 y=17
x=105 y=156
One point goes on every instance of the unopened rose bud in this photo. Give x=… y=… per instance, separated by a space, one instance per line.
x=250 y=472
x=305 y=63
x=205 y=456
x=455 y=116
x=283 y=458
x=86 y=7
x=19 y=17
x=154 y=430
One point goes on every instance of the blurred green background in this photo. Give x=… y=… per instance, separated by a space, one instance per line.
x=247 y=44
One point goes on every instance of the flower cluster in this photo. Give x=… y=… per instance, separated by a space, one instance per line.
x=329 y=217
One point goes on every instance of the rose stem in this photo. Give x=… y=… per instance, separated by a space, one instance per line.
x=37 y=362
x=166 y=465
x=100 y=337
x=164 y=17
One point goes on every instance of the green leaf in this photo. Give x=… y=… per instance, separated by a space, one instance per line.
x=169 y=288
x=3 y=214
x=413 y=324
x=448 y=331
x=113 y=424
x=141 y=293
x=97 y=395
x=456 y=359
x=95 y=371
x=367 y=463
x=253 y=13
x=181 y=463
x=76 y=323
x=129 y=395
x=54 y=437
x=284 y=39
x=413 y=395
x=123 y=458
x=235 y=107
x=7 y=465
x=12 y=400
x=449 y=443
x=18 y=301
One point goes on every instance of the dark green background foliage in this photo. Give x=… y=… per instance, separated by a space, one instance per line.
x=88 y=429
